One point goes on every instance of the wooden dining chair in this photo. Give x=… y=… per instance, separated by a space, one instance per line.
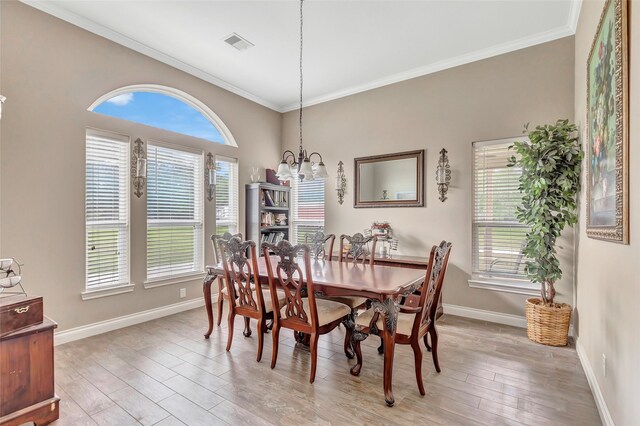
x=317 y=245
x=215 y=239
x=358 y=248
x=417 y=316
x=245 y=299
x=302 y=311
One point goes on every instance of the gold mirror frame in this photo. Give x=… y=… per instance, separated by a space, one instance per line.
x=419 y=202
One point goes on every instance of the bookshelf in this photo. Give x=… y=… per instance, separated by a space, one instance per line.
x=268 y=212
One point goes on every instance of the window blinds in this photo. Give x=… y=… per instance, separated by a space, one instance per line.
x=226 y=195
x=307 y=208
x=107 y=209
x=498 y=237
x=174 y=212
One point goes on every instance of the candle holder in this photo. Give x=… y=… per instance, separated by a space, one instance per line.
x=443 y=175
x=138 y=168
x=341 y=183
x=210 y=177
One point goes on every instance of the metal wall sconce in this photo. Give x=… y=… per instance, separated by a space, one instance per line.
x=2 y=99
x=139 y=168
x=443 y=175
x=341 y=183
x=210 y=177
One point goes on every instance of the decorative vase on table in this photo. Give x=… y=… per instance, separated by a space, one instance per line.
x=551 y=161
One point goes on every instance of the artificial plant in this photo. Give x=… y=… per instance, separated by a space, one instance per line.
x=551 y=162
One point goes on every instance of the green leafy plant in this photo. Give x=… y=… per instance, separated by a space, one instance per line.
x=551 y=163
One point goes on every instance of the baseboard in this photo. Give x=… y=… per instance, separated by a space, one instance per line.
x=84 y=331
x=489 y=316
x=605 y=416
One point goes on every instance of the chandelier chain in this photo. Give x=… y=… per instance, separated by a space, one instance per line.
x=301 y=79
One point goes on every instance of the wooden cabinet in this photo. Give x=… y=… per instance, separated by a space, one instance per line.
x=268 y=213
x=26 y=376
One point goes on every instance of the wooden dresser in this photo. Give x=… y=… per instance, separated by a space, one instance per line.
x=27 y=392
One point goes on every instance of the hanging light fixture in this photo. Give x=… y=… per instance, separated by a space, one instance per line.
x=301 y=166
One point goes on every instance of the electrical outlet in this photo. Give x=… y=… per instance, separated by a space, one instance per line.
x=183 y=293
x=604 y=365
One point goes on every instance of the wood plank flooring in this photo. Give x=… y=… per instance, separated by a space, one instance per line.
x=164 y=373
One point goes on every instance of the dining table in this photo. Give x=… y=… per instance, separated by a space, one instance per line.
x=384 y=286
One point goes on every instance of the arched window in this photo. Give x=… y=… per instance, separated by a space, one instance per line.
x=165 y=108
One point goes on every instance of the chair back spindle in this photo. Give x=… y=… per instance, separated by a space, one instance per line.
x=358 y=248
x=317 y=245
x=241 y=273
x=438 y=261
x=289 y=278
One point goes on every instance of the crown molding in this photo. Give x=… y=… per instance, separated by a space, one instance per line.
x=443 y=65
x=574 y=15
x=101 y=30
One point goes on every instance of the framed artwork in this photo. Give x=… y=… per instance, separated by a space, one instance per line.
x=607 y=127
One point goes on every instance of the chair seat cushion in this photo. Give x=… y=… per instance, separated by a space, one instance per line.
x=266 y=296
x=351 y=301
x=405 y=321
x=328 y=310
x=225 y=291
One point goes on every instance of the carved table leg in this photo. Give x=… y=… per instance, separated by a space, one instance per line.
x=389 y=308
x=247 y=327
x=350 y=325
x=206 y=289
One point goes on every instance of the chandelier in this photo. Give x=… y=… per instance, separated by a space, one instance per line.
x=301 y=166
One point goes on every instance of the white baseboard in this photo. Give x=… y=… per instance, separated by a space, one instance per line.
x=489 y=316
x=84 y=331
x=605 y=416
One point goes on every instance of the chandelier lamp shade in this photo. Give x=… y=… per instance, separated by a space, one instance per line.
x=292 y=167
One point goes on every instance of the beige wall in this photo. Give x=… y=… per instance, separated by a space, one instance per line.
x=608 y=278
x=489 y=99
x=51 y=72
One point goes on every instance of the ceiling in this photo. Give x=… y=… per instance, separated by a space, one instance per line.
x=349 y=46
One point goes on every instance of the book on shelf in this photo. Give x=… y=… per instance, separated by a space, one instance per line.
x=272 y=237
x=268 y=200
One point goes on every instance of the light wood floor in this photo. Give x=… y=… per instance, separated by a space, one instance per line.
x=164 y=372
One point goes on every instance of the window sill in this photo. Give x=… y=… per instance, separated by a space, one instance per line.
x=507 y=286
x=108 y=291
x=161 y=282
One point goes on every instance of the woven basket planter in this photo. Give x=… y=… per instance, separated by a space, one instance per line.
x=548 y=325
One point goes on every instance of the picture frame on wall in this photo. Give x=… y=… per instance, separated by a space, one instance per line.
x=607 y=127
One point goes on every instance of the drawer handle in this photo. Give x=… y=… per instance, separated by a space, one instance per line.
x=21 y=310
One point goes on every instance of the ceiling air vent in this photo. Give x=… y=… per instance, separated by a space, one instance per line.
x=238 y=42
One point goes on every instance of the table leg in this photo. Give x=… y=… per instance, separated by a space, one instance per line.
x=206 y=289
x=389 y=308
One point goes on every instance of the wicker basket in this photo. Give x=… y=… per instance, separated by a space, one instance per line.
x=548 y=325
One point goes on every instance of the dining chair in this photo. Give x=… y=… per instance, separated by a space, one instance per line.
x=317 y=245
x=245 y=298
x=215 y=239
x=358 y=248
x=416 y=318
x=302 y=311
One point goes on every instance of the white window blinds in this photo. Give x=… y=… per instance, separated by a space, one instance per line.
x=498 y=237
x=107 y=210
x=226 y=195
x=307 y=208
x=174 y=212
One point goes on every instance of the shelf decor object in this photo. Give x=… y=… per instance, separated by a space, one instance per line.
x=341 y=183
x=139 y=168
x=443 y=175
x=608 y=126
x=210 y=177
x=301 y=167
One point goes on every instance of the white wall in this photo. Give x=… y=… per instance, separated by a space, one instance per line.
x=51 y=71
x=608 y=278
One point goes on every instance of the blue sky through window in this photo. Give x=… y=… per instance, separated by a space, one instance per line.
x=161 y=111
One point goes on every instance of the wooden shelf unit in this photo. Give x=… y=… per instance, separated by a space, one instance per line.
x=264 y=201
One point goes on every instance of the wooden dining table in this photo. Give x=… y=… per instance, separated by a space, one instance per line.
x=383 y=285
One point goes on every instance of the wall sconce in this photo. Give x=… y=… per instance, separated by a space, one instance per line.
x=210 y=176
x=443 y=175
x=139 y=168
x=2 y=99
x=341 y=183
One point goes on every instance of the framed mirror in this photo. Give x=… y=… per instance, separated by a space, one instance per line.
x=390 y=180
